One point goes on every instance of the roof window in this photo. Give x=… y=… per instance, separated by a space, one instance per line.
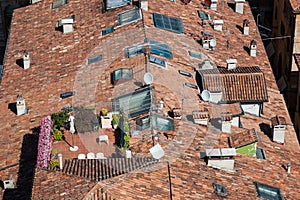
x=58 y=3
x=112 y=4
x=135 y=50
x=194 y=54
x=108 y=30
x=168 y=23
x=121 y=74
x=220 y=189
x=129 y=16
x=268 y=192
x=158 y=61
x=160 y=49
x=94 y=59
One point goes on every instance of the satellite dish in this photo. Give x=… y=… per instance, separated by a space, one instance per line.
x=205 y=95
x=148 y=78
x=212 y=42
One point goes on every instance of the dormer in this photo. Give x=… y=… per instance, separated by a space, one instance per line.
x=66 y=24
x=221 y=158
x=218 y=24
x=20 y=105
x=231 y=64
x=206 y=64
x=253 y=45
x=239 y=6
x=278 y=128
x=26 y=60
x=246 y=23
x=226 y=119
x=144 y=5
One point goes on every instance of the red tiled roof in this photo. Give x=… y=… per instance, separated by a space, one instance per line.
x=242 y=138
x=244 y=84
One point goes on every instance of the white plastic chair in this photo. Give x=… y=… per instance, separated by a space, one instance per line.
x=103 y=138
x=90 y=155
x=81 y=156
x=100 y=156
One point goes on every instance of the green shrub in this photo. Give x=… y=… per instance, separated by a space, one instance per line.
x=54 y=163
x=115 y=119
x=57 y=134
x=59 y=119
x=126 y=139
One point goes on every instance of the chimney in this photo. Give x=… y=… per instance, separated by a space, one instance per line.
x=218 y=24
x=144 y=4
x=246 y=23
x=231 y=64
x=213 y=5
x=289 y=167
x=26 y=60
x=221 y=158
x=239 y=6
x=21 y=107
x=226 y=122
x=66 y=24
x=278 y=127
x=60 y=161
x=253 y=46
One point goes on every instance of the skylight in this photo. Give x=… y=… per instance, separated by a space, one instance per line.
x=260 y=153
x=157 y=61
x=120 y=74
x=160 y=49
x=268 y=192
x=203 y=15
x=194 y=54
x=157 y=122
x=134 y=104
x=108 y=30
x=111 y=4
x=58 y=3
x=94 y=59
x=129 y=16
x=135 y=50
x=220 y=189
x=168 y=23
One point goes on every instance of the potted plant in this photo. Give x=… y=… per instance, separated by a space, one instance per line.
x=104 y=111
x=115 y=120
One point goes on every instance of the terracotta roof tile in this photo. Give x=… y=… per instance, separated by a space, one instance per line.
x=242 y=138
x=278 y=120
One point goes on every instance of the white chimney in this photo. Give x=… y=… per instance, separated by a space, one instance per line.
x=221 y=158
x=253 y=46
x=278 y=127
x=226 y=122
x=213 y=5
x=231 y=64
x=246 y=27
x=239 y=6
x=67 y=24
x=218 y=24
x=21 y=107
x=26 y=60
x=205 y=43
x=60 y=161
x=215 y=97
x=144 y=4
x=289 y=167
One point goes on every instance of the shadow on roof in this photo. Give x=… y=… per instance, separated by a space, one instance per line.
x=26 y=170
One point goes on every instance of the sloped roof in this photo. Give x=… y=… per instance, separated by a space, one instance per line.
x=242 y=138
x=244 y=84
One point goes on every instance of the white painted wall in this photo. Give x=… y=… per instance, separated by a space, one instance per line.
x=222 y=164
x=235 y=121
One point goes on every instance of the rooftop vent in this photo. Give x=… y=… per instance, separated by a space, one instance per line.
x=231 y=64
x=239 y=6
x=20 y=104
x=253 y=46
x=246 y=23
x=26 y=60
x=218 y=24
x=278 y=127
x=144 y=5
x=66 y=25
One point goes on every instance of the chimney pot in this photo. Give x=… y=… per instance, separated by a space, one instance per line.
x=246 y=27
x=26 y=60
x=289 y=167
x=239 y=6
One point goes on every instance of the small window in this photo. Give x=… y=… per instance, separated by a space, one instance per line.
x=67 y=94
x=168 y=23
x=94 y=59
x=160 y=49
x=129 y=16
x=112 y=4
x=121 y=74
x=260 y=153
x=194 y=54
x=268 y=192
x=220 y=189
x=191 y=86
x=157 y=61
x=203 y=15
x=58 y=3
x=135 y=50
x=108 y=30
x=188 y=74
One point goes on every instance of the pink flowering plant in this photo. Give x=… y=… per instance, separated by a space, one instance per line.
x=45 y=143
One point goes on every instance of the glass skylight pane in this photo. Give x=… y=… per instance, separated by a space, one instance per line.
x=157 y=61
x=108 y=30
x=111 y=4
x=94 y=59
x=135 y=50
x=268 y=192
x=58 y=3
x=168 y=23
x=129 y=16
x=160 y=49
x=194 y=54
